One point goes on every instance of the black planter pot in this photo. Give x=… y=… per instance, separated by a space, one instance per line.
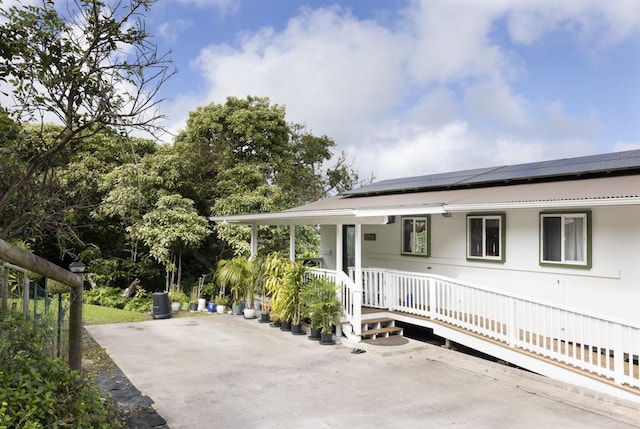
x=264 y=318
x=327 y=339
x=314 y=334
x=297 y=329
x=193 y=307
x=276 y=324
x=285 y=326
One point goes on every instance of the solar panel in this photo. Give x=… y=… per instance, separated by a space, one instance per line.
x=534 y=170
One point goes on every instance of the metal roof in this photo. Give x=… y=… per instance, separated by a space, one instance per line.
x=375 y=209
x=616 y=162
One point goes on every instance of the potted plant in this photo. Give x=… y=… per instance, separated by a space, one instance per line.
x=235 y=273
x=250 y=287
x=273 y=270
x=286 y=301
x=326 y=308
x=210 y=290
x=309 y=295
x=177 y=297
x=221 y=303
x=294 y=284
x=194 y=296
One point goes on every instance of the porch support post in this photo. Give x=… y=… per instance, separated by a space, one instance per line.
x=292 y=242
x=254 y=241
x=339 y=258
x=339 y=267
x=357 y=292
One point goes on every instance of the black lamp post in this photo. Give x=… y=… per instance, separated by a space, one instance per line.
x=75 y=319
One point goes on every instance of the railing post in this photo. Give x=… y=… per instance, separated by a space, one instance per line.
x=618 y=355
x=512 y=328
x=431 y=293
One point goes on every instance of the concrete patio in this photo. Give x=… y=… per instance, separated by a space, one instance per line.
x=221 y=371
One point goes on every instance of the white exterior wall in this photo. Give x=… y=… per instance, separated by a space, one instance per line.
x=610 y=288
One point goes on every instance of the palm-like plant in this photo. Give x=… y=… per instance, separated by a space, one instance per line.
x=294 y=283
x=324 y=307
x=236 y=274
x=273 y=271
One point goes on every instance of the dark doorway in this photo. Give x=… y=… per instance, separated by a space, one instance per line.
x=348 y=247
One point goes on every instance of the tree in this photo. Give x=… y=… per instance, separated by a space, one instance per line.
x=247 y=158
x=91 y=69
x=167 y=230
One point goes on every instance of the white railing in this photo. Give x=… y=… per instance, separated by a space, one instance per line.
x=599 y=345
x=345 y=291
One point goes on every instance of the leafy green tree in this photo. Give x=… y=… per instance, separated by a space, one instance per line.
x=89 y=66
x=171 y=227
x=244 y=157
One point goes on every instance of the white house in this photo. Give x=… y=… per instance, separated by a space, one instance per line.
x=537 y=264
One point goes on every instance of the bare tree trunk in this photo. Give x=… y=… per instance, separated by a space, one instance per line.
x=128 y=292
x=179 y=268
x=92 y=282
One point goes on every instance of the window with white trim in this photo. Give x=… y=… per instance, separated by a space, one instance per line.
x=485 y=237
x=564 y=239
x=415 y=235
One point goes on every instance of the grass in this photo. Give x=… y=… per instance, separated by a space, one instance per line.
x=95 y=314
x=98 y=315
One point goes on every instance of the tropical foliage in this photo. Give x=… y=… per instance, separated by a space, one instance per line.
x=37 y=391
x=130 y=207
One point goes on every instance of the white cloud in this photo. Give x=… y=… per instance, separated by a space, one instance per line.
x=225 y=7
x=622 y=146
x=433 y=92
x=330 y=70
x=594 y=23
x=170 y=30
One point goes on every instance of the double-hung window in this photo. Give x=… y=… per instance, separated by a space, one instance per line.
x=485 y=237
x=415 y=235
x=564 y=239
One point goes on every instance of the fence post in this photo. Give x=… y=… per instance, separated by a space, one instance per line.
x=5 y=288
x=75 y=318
x=25 y=295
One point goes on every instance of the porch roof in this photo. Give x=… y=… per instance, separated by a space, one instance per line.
x=375 y=209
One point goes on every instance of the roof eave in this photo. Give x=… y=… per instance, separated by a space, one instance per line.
x=560 y=204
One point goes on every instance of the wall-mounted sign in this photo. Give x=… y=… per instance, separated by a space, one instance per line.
x=369 y=237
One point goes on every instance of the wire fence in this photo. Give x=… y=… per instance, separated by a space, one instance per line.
x=44 y=309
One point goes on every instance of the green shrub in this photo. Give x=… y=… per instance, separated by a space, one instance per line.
x=105 y=296
x=37 y=391
x=141 y=302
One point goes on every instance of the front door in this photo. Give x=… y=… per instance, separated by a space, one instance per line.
x=348 y=247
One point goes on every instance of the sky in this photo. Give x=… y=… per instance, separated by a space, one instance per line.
x=409 y=88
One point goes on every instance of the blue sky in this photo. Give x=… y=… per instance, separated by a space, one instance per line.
x=418 y=87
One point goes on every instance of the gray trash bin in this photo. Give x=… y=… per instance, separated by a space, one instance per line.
x=161 y=306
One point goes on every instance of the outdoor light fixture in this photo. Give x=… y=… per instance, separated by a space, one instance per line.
x=77 y=267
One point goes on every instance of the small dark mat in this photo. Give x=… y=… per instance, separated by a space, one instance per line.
x=394 y=340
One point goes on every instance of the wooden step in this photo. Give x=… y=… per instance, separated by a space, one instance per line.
x=381 y=332
x=383 y=320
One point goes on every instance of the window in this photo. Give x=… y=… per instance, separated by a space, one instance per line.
x=415 y=235
x=564 y=239
x=485 y=237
